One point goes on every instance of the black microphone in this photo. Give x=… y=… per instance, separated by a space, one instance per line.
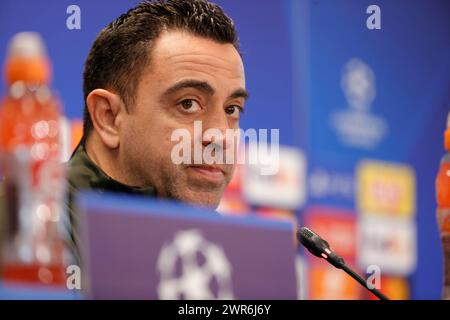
x=320 y=248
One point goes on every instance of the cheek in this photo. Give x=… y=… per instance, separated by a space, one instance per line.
x=135 y=139
x=131 y=142
x=149 y=135
x=152 y=140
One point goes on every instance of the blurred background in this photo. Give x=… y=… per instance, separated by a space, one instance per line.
x=361 y=113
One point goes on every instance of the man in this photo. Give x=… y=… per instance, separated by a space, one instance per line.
x=154 y=70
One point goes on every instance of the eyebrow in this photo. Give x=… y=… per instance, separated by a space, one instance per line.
x=203 y=86
x=239 y=93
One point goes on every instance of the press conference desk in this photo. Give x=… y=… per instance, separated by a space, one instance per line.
x=10 y=291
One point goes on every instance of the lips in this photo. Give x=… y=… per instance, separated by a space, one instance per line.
x=211 y=173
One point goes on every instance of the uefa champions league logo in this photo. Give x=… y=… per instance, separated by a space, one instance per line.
x=358 y=84
x=190 y=267
x=355 y=125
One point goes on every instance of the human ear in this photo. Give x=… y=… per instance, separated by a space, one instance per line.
x=105 y=108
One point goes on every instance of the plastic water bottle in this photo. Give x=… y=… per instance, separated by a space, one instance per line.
x=443 y=211
x=34 y=177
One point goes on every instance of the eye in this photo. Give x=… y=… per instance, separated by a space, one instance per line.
x=234 y=111
x=189 y=105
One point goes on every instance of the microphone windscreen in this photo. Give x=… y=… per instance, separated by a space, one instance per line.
x=307 y=238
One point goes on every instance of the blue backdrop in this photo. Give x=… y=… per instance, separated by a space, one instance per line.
x=294 y=52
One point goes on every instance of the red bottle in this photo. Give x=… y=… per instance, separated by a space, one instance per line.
x=33 y=173
x=443 y=211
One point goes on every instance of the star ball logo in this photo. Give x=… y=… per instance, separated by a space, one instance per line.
x=193 y=268
x=356 y=126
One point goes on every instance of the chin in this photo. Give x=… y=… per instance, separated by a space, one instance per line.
x=204 y=199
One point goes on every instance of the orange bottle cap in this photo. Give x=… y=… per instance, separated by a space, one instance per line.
x=28 y=69
x=27 y=59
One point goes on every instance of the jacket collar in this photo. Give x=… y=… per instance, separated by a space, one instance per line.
x=85 y=174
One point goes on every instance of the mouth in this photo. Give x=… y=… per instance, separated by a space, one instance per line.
x=209 y=173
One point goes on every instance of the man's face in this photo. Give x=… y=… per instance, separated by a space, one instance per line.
x=189 y=79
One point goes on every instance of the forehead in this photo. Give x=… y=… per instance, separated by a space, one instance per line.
x=177 y=55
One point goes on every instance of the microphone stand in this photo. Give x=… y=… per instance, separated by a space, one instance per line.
x=363 y=282
x=321 y=249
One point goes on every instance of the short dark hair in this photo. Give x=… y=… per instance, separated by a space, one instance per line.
x=122 y=50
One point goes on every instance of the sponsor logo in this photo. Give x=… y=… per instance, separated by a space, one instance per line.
x=339 y=227
x=324 y=184
x=385 y=189
x=285 y=189
x=389 y=242
x=328 y=283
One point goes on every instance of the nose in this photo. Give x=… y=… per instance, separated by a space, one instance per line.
x=219 y=129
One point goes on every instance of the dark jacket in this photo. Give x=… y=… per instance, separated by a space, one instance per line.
x=84 y=174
